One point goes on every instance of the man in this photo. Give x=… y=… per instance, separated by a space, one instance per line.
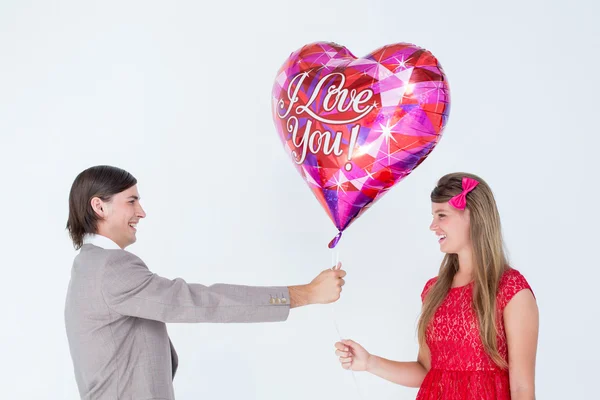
x=116 y=309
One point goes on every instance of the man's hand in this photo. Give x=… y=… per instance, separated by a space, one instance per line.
x=324 y=289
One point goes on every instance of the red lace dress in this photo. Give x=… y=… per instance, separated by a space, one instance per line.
x=460 y=367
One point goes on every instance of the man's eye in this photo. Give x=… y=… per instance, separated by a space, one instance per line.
x=132 y=201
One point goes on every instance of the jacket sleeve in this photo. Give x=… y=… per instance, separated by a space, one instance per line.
x=130 y=288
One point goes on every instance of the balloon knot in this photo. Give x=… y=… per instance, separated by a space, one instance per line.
x=335 y=240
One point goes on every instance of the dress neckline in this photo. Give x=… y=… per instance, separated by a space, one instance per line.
x=463 y=286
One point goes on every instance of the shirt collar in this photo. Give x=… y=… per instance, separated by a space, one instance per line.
x=100 y=241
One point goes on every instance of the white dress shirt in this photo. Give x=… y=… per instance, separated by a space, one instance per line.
x=100 y=241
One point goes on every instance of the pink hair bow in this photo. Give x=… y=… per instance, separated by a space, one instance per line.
x=460 y=200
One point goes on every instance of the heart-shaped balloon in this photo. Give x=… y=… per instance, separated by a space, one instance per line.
x=355 y=127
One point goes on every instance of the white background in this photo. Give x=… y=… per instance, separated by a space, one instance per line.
x=178 y=93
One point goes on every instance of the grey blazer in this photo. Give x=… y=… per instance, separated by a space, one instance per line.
x=115 y=315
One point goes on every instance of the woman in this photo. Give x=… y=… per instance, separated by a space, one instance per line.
x=479 y=321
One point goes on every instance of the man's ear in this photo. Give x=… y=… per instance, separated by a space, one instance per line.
x=99 y=207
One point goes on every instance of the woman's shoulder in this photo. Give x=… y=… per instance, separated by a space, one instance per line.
x=512 y=277
x=511 y=283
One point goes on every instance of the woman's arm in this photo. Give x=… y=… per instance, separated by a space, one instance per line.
x=406 y=373
x=521 y=323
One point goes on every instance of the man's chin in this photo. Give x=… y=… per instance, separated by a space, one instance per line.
x=130 y=240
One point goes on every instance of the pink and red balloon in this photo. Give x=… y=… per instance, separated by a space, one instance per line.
x=354 y=127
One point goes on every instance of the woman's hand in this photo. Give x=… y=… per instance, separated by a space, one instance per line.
x=352 y=355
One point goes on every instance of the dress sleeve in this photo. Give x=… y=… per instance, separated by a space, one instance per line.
x=428 y=286
x=512 y=282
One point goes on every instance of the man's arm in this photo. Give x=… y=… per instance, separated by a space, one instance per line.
x=130 y=288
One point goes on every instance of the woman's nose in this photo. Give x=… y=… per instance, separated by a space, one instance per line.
x=432 y=226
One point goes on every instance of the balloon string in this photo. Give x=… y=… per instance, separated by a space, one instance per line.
x=335 y=256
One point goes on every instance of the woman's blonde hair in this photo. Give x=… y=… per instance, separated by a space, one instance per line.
x=490 y=261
